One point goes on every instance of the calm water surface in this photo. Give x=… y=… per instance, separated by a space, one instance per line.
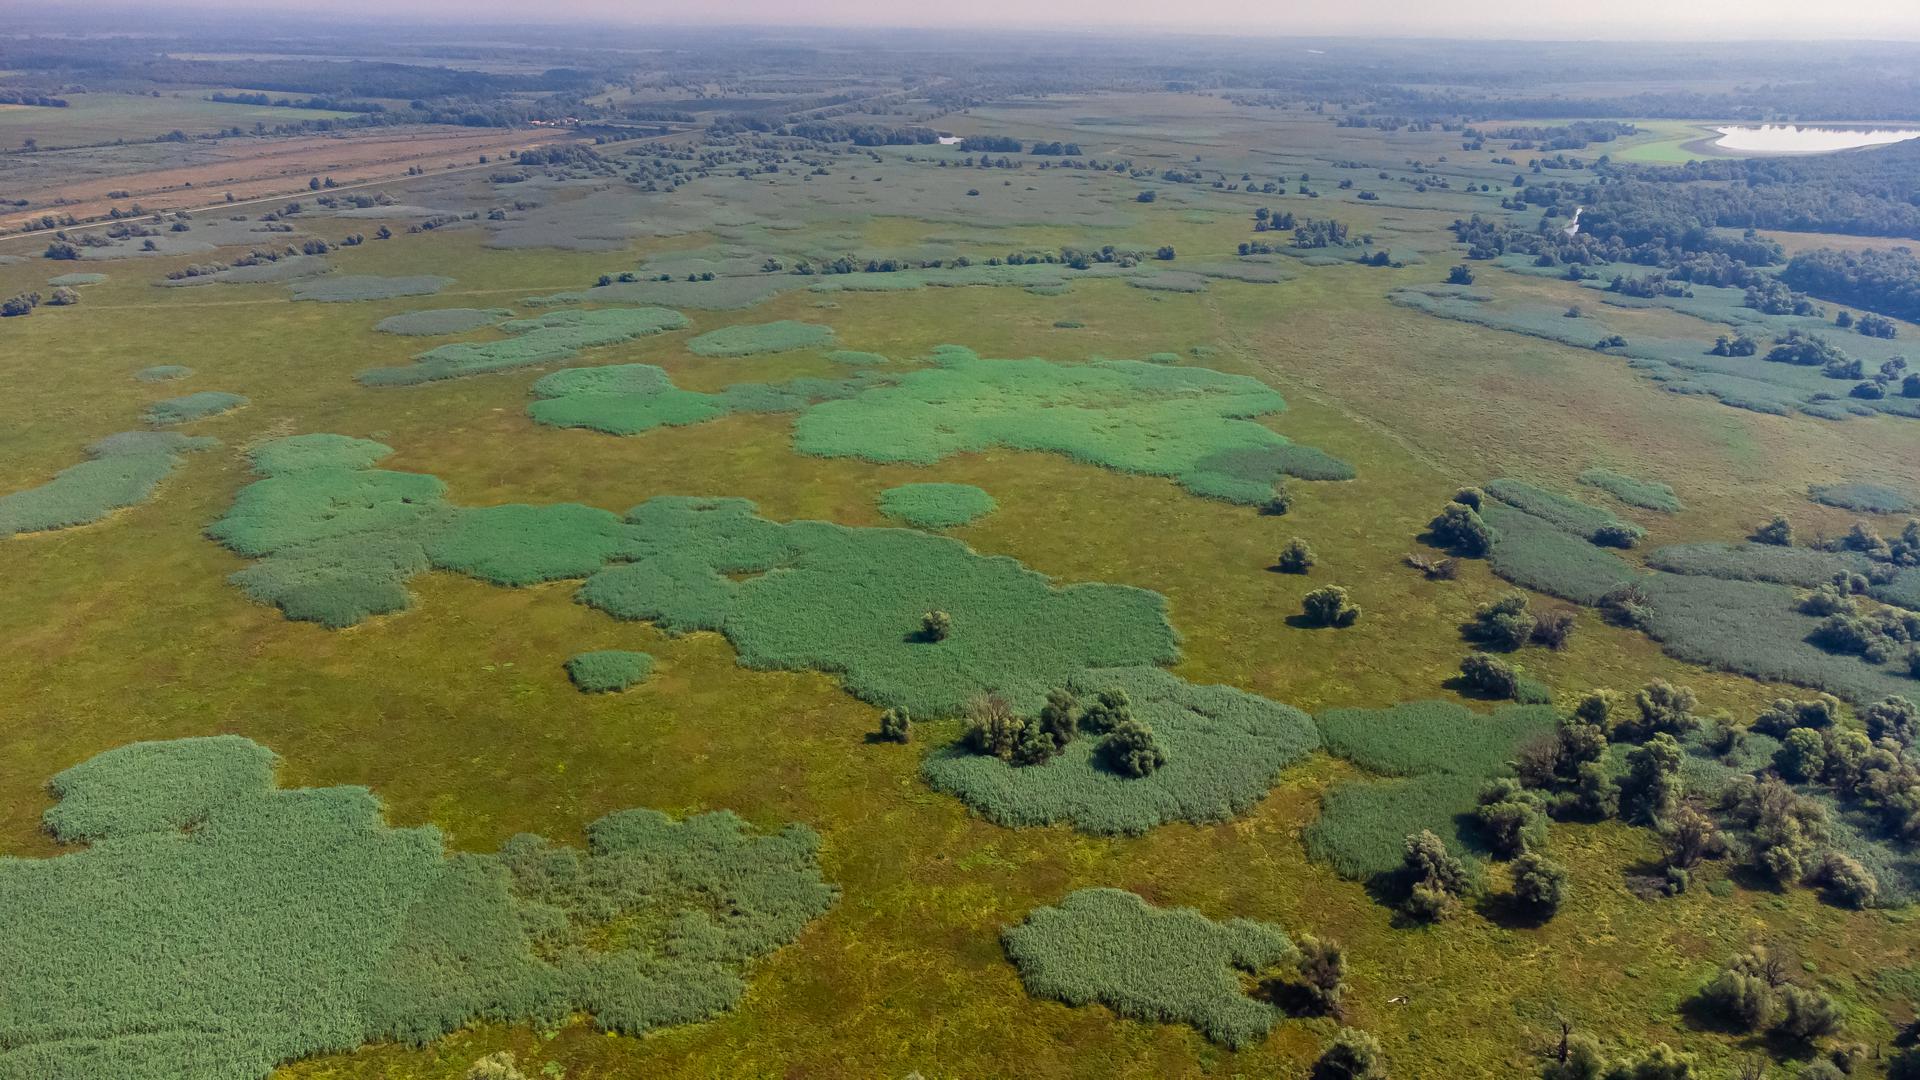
x=1795 y=139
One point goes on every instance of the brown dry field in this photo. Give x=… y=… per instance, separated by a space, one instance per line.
x=261 y=168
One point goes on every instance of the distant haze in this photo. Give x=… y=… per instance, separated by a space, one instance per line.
x=1722 y=20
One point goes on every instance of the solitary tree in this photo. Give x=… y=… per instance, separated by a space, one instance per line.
x=895 y=724
x=935 y=626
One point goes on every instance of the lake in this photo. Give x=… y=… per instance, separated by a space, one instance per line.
x=1795 y=139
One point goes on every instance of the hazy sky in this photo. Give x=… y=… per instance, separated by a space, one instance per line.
x=1628 y=19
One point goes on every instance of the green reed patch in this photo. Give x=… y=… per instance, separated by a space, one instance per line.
x=542 y=339
x=1364 y=824
x=120 y=471
x=1420 y=737
x=608 y=670
x=337 y=542
x=627 y=399
x=1564 y=513
x=936 y=506
x=347 y=288
x=1864 y=497
x=856 y=358
x=163 y=373
x=329 y=929
x=200 y=406
x=785 y=335
x=438 y=321
x=1172 y=965
x=1191 y=424
x=1224 y=749
x=1445 y=752
x=76 y=279
x=1528 y=551
x=1646 y=494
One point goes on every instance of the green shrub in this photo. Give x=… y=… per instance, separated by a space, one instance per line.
x=1539 y=883
x=1646 y=494
x=1806 y=1014
x=609 y=670
x=1489 y=677
x=1224 y=748
x=749 y=340
x=1131 y=750
x=936 y=506
x=500 y=1066
x=542 y=339
x=329 y=928
x=1353 y=1055
x=121 y=471
x=1329 y=606
x=182 y=410
x=896 y=725
x=1173 y=965
x=1295 y=558
x=1460 y=528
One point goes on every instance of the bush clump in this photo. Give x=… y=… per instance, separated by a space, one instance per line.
x=1295 y=558
x=609 y=670
x=1329 y=606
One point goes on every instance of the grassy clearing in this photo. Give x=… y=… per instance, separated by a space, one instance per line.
x=1224 y=749
x=1646 y=494
x=783 y=336
x=608 y=670
x=1108 y=946
x=121 y=471
x=558 y=335
x=936 y=506
x=199 y=406
x=328 y=928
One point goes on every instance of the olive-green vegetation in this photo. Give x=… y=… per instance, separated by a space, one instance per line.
x=320 y=927
x=1445 y=754
x=1223 y=748
x=856 y=358
x=1564 y=513
x=345 y=288
x=1646 y=494
x=163 y=373
x=200 y=406
x=337 y=541
x=783 y=336
x=1870 y=498
x=936 y=506
x=437 y=321
x=608 y=670
x=1175 y=965
x=1191 y=424
x=541 y=339
x=120 y=471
